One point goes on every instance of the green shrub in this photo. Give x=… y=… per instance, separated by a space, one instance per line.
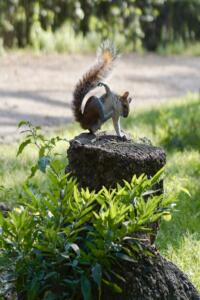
x=66 y=240
x=66 y=40
x=62 y=40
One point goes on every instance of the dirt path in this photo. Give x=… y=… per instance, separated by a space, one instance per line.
x=39 y=88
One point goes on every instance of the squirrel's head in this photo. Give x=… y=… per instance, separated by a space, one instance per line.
x=125 y=104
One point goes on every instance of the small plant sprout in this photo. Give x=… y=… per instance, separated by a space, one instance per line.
x=44 y=146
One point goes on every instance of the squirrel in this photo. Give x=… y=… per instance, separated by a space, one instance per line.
x=98 y=110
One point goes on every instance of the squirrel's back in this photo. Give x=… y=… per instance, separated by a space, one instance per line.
x=106 y=56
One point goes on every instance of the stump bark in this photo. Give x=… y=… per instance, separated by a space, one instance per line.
x=106 y=160
x=153 y=278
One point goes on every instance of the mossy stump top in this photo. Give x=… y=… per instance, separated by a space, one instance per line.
x=108 y=159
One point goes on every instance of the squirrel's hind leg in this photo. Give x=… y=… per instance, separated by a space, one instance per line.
x=92 y=132
x=95 y=127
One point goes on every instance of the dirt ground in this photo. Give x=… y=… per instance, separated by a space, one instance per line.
x=39 y=88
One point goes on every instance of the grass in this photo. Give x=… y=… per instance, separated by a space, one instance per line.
x=180 y=47
x=179 y=240
x=173 y=126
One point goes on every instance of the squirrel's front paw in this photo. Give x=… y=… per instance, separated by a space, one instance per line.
x=124 y=136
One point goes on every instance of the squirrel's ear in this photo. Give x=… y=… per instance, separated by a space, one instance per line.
x=125 y=95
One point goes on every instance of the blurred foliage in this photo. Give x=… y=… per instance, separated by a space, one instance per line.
x=146 y=23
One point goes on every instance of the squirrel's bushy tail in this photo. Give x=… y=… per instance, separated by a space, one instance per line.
x=106 y=55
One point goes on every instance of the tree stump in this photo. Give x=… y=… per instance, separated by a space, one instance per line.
x=106 y=160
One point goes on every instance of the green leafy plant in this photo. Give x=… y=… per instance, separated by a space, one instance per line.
x=66 y=240
x=43 y=145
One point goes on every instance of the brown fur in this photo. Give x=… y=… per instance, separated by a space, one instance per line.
x=125 y=101
x=91 y=113
x=89 y=81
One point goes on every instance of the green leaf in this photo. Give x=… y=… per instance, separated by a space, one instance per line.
x=33 y=289
x=113 y=286
x=2 y=188
x=41 y=151
x=50 y=296
x=52 y=177
x=184 y=190
x=75 y=247
x=1 y=220
x=33 y=171
x=97 y=274
x=22 y=123
x=85 y=287
x=50 y=275
x=157 y=176
x=22 y=146
x=125 y=257
x=118 y=276
x=43 y=162
x=71 y=282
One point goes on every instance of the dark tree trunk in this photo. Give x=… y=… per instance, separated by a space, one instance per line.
x=153 y=278
x=105 y=161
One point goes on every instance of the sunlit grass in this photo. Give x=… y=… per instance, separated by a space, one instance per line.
x=179 y=240
x=180 y=47
x=14 y=170
x=187 y=257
